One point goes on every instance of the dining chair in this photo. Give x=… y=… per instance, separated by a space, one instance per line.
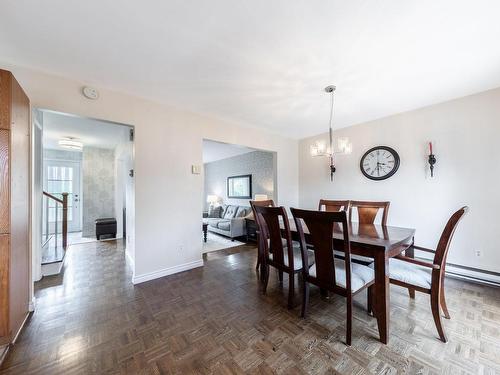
x=263 y=203
x=333 y=205
x=280 y=251
x=339 y=276
x=414 y=274
x=367 y=211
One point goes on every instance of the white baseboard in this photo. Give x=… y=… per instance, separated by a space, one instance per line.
x=20 y=328
x=473 y=275
x=167 y=271
x=52 y=268
x=32 y=304
x=3 y=352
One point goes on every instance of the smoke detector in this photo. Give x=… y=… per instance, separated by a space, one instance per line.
x=90 y=93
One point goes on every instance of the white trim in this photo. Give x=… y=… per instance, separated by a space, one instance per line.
x=131 y=263
x=167 y=271
x=471 y=275
x=32 y=305
x=20 y=329
x=52 y=268
x=130 y=259
x=3 y=352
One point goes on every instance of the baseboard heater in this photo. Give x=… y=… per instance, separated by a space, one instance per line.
x=464 y=272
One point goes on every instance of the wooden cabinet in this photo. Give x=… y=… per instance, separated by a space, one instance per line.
x=14 y=207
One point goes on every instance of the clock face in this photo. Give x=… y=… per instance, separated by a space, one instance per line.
x=379 y=163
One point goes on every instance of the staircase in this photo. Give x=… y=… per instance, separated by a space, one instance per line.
x=55 y=233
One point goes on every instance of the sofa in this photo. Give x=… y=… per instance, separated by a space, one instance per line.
x=228 y=220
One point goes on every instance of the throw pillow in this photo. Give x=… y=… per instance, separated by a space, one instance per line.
x=214 y=211
x=242 y=212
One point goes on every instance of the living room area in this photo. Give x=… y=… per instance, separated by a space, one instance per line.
x=233 y=175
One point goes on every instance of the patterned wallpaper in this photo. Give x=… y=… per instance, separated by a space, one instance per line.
x=98 y=187
x=259 y=164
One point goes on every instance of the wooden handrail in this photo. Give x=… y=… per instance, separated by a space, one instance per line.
x=64 y=202
x=65 y=220
x=53 y=197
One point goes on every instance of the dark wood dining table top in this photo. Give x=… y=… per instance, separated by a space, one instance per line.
x=375 y=235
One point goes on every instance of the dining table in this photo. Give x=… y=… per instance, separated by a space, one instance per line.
x=380 y=243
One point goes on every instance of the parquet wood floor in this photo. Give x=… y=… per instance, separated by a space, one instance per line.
x=92 y=320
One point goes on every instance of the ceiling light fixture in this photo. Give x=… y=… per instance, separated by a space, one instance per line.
x=71 y=144
x=319 y=148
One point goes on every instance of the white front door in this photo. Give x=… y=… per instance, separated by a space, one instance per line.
x=61 y=176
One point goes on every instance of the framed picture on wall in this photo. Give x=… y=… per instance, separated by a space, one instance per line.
x=239 y=187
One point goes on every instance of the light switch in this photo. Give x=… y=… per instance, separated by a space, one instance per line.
x=196 y=169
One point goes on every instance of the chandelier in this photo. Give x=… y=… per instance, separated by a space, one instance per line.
x=320 y=148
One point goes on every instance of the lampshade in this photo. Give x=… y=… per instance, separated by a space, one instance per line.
x=212 y=198
x=260 y=197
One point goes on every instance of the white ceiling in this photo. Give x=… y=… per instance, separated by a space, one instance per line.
x=92 y=133
x=213 y=151
x=265 y=63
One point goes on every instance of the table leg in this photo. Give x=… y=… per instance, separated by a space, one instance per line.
x=382 y=295
x=205 y=234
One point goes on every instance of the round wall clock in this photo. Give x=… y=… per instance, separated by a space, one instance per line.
x=379 y=163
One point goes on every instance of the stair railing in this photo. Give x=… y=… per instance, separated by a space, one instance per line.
x=64 y=204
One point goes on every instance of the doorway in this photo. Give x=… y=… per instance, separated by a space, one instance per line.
x=83 y=186
x=62 y=176
x=233 y=176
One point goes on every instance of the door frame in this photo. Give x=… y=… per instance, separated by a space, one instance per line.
x=36 y=221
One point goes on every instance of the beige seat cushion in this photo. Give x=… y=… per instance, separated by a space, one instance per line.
x=409 y=273
x=360 y=275
x=297 y=257
x=354 y=257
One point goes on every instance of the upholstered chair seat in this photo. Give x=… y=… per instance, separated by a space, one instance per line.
x=360 y=275
x=297 y=256
x=409 y=273
x=357 y=258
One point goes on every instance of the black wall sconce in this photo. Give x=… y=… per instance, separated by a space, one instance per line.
x=432 y=159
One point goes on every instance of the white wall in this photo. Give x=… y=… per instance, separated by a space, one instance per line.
x=465 y=134
x=167 y=142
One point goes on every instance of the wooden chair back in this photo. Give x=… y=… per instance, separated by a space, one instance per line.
x=264 y=203
x=270 y=219
x=446 y=237
x=333 y=205
x=367 y=211
x=320 y=226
